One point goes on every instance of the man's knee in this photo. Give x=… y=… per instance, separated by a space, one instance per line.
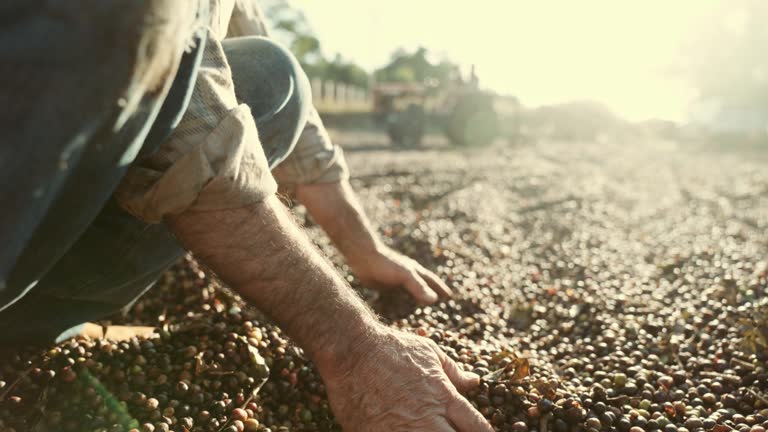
x=270 y=80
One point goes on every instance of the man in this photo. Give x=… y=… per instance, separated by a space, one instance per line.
x=93 y=102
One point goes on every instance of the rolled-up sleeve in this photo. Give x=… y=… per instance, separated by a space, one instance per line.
x=316 y=159
x=213 y=160
x=247 y=20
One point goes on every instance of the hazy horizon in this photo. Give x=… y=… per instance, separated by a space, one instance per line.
x=626 y=55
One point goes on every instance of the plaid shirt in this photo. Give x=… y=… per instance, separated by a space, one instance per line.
x=213 y=160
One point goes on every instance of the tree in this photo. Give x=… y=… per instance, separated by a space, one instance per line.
x=416 y=67
x=292 y=28
x=346 y=72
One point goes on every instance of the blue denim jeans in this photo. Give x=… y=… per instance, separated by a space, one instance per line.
x=106 y=258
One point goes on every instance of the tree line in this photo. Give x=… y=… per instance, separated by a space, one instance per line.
x=291 y=26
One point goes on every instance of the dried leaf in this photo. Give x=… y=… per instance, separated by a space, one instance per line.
x=522 y=369
x=200 y=366
x=495 y=376
x=258 y=364
x=548 y=389
x=503 y=354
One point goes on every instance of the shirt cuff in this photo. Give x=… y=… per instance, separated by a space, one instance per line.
x=314 y=160
x=227 y=169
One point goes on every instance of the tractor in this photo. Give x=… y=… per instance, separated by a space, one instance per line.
x=464 y=113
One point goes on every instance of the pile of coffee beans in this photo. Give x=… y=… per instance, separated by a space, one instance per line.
x=201 y=371
x=599 y=287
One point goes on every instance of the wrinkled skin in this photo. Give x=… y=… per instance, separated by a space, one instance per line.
x=403 y=383
x=388 y=269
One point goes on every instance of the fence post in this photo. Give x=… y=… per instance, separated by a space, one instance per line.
x=317 y=89
x=328 y=91
x=333 y=92
x=343 y=93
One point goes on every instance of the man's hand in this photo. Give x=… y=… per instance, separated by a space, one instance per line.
x=387 y=269
x=378 y=379
x=402 y=382
x=335 y=207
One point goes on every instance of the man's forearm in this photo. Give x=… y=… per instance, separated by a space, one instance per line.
x=377 y=379
x=335 y=207
x=263 y=255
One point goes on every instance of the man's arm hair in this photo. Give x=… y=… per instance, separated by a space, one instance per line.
x=263 y=255
x=335 y=207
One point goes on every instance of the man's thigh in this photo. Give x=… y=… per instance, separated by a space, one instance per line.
x=115 y=251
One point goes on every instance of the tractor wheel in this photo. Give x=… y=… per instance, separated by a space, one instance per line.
x=473 y=121
x=406 y=128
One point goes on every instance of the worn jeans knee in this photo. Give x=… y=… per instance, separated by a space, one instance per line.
x=270 y=80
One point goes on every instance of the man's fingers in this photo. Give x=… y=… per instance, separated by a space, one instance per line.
x=435 y=282
x=419 y=289
x=466 y=418
x=461 y=379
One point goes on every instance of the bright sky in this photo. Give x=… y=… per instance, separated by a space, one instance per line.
x=619 y=52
